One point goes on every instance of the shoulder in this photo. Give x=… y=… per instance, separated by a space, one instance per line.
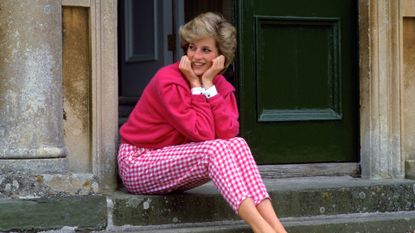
x=166 y=79
x=223 y=86
x=168 y=75
x=172 y=69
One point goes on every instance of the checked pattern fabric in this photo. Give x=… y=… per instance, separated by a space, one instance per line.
x=228 y=163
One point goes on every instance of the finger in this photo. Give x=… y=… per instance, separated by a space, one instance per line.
x=182 y=62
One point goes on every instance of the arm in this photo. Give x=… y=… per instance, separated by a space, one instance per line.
x=190 y=114
x=225 y=112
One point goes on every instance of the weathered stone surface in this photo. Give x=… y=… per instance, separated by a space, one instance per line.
x=77 y=88
x=410 y=169
x=299 y=197
x=400 y=222
x=49 y=166
x=82 y=212
x=317 y=204
x=375 y=197
x=31 y=124
x=380 y=96
x=408 y=86
x=169 y=209
x=21 y=184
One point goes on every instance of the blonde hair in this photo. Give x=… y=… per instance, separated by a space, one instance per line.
x=213 y=25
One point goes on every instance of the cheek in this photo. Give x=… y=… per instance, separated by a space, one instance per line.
x=210 y=58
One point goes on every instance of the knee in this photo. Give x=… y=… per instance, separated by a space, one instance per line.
x=238 y=143
x=218 y=149
x=238 y=140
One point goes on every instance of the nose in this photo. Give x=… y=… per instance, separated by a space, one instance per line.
x=197 y=54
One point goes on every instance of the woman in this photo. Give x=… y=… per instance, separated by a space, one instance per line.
x=182 y=132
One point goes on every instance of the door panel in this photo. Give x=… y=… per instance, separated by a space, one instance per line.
x=306 y=63
x=143 y=48
x=298 y=99
x=144 y=27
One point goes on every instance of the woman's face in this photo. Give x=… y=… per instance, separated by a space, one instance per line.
x=201 y=53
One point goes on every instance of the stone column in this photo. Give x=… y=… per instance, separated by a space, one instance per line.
x=31 y=113
x=380 y=116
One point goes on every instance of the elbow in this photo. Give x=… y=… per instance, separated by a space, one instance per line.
x=201 y=136
x=208 y=136
x=227 y=134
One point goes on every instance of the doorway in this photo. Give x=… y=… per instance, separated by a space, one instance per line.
x=297 y=70
x=148 y=39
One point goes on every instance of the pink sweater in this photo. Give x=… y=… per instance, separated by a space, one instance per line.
x=168 y=114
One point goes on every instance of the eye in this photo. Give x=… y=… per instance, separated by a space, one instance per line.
x=207 y=50
x=191 y=47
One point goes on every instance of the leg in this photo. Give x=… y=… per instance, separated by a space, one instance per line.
x=249 y=213
x=160 y=171
x=267 y=212
x=225 y=173
x=249 y=169
x=182 y=167
x=254 y=182
x=189 y=165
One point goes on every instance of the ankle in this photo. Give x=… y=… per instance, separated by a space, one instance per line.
x=279 y=230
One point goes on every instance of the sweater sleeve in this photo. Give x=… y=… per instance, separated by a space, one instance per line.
x=225 y=111
x=190 y=114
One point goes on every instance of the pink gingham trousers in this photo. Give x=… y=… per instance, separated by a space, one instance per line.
x=228 y=163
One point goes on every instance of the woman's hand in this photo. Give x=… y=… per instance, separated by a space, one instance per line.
x=218 y=64
x=185 y=67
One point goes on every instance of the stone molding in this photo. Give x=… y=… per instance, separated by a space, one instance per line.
x=104 y=91
x=81 y=3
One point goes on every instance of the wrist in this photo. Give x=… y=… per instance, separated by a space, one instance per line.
x=207 y=84
x=195 y=84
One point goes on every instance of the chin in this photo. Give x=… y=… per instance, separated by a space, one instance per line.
x=199 y=73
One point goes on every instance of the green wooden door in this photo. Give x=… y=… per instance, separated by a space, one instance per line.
x=298 y=90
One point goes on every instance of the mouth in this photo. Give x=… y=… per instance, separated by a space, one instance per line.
x=198 y=64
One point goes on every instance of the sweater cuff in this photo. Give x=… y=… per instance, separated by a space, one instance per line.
x=197 y=90
x=210 y=92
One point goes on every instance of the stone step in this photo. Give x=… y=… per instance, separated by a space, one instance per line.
x=54 y=212
x=395 y=222
x=292 y=197
x=330 y=203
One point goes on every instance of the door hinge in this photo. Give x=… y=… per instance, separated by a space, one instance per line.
x=171 y=42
